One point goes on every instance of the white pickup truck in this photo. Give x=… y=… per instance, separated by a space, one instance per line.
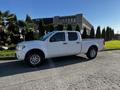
x=56 y=44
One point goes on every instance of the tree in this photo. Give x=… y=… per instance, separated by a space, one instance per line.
x=0 y=18
x=29 y=28
x=69 y=27
x=22 y=25
x=112 y=33
x=103 y=33
x=84 y=35
x=107 y=34
x=6 y=18
x=92 y=33
x=29 y=35
x=77 y=28
x=28 y=19
x=14 y=28
x=14 y=33
x=41 y=28
x=50 y=28
x=2 y=37
x=59 y=27
x=9 y=23
x=98 y=32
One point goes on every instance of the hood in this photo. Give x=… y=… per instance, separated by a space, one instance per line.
x=30 y=42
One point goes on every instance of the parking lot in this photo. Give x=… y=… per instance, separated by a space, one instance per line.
x=65 y=73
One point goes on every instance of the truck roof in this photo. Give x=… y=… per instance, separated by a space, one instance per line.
x=65 y=31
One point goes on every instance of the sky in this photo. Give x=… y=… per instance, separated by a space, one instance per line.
x=98 y=12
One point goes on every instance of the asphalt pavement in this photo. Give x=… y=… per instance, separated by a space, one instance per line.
x=65 y=73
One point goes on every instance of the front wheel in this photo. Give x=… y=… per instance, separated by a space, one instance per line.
x=34 y=59
x=92 y=53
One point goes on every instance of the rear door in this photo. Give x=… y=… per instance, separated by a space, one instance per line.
x=73 y=43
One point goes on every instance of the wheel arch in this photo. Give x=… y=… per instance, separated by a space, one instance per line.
x=35 y=50
x=93 y=46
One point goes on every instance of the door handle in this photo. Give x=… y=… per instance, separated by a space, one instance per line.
x=64 y=43
x=77 y=42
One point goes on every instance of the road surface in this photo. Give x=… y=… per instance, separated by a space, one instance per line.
x=66 y=73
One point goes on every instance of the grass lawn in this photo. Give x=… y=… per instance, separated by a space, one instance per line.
x=114 y=44
x=7 y=53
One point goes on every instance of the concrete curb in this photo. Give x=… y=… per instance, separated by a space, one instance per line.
x=110 y=49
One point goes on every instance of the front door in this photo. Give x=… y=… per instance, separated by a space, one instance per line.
x=56 y=45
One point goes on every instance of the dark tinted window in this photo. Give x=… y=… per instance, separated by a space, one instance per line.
x=72 y=36
x=60 y=36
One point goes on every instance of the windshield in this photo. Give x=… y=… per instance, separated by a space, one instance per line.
x=43 y=38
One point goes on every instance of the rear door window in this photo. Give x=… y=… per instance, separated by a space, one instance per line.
x=72 y=36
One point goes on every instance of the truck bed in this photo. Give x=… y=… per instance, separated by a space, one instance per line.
x=86 y=43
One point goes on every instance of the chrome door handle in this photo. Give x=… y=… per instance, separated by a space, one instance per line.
x=77 y=42
x=64 y=43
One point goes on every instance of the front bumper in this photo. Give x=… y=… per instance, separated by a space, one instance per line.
x=20 y=55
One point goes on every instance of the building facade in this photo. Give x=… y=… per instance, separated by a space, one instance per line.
x=117 y=36
x=73 y=20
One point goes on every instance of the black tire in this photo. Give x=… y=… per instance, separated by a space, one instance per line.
x=92 y=53
x=34 y=58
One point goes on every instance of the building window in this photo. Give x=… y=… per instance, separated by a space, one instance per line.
x=74 y=20
x=63 y=20
x=71 y=19
x=66 y=19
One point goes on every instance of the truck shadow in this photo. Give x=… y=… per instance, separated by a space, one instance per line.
x=18 y=67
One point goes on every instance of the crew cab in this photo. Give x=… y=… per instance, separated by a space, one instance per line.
x=57 y=44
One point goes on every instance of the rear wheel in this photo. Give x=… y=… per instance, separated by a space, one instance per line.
x=34 y=59
x=92 y=53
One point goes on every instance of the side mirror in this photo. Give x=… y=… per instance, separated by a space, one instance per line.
x=52 y=40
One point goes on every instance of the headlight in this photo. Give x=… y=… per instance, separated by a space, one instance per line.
x=20 y=47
